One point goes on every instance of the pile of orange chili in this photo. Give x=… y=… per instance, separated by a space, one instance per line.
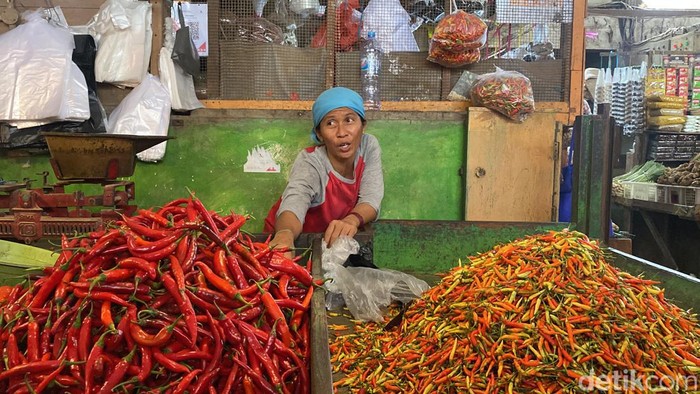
x=174 y=300
x=544 y=314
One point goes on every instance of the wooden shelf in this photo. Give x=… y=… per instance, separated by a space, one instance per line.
x=682 y=211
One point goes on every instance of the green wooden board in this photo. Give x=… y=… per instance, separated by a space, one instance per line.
x=421 y=159
x=430 y=247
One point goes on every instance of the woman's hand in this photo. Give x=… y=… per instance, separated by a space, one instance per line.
x=337 y=228
x=284 y=239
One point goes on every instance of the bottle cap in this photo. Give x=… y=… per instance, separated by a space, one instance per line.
x=371 y=34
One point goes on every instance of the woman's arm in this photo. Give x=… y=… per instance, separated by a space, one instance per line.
x=287 y=229
x=350 y=225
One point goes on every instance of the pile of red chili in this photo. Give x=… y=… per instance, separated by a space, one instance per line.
x=545 y=314
x=175 y=300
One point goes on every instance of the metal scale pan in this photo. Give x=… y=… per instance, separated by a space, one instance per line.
x=96 y=156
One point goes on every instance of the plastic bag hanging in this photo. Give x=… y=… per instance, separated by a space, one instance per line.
x=507 y=92
x=185 y=52
x=457 y=39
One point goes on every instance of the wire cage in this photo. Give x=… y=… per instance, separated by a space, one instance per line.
x=295 y=49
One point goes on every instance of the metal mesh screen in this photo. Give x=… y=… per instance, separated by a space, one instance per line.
x=297 y=48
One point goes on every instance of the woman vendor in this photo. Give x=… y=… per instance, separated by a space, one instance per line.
x=337 y=185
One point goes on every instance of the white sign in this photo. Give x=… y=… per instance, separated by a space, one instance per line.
x=260 y=160
x=196 y=18
x=534 y=11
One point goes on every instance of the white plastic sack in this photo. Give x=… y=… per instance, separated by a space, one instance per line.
x=122 y=32
x=177 y=82
x=75 y=105
x=144 y=111
x=40 y=83
x=392 y=24
x=366 y=291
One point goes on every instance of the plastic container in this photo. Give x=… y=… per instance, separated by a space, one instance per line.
x=370 y=65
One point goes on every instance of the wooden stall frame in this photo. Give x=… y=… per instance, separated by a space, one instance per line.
x=572 y=107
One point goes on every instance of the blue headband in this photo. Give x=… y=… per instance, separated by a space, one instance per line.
x=331 y=99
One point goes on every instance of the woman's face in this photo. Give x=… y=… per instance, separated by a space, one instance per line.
x=341 y=130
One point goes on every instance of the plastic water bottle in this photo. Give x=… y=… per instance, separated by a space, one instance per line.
x=370 y=64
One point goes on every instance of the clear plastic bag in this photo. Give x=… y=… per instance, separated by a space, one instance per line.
x=459 y=32
x=507 y=92
x=144 y=111
x=392 y=25
x=347 y=26
x=366 y=291
x=453 y=59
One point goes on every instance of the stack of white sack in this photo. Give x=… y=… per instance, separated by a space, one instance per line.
x=123 y=34
x=40 y=83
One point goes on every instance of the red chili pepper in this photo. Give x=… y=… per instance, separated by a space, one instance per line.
x=220 y=283
x=30 y=367
x=84 y=337
x=280 y=263
x=220 y=267
x=295 y=322
x=177 y=271
x=186 y=381
x=282 y=285
x=149 y=267
x=204 y=213
x=290 y=303
x=158 y=254
x=233 y=373
x=218 y=345
x=106 y=315
x=113 y=275
x=232 y=229
x=265 y=360
x=204 y=382
x=62 y=288
x=145 y=339
x=169 y=364
x=12 y=349
x=95 y=354
x=250 y=259
x=146 y=363
x=45 y=340
x=275 y=314
x=138 y=245
x=32 y=340
x=49 y=286
x=118 y=373
x=145 y=231
x=189 y=355
x=262 y=385
x=101 y=296
x=235 y=268
x=156 y=218
x=183 y=303
x=118 y=287
x=100 y=245
x=48 y=379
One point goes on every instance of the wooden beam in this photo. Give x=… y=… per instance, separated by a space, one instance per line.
x=642 y=13
x=578 y=54
x=399 y=106
x=158 y=28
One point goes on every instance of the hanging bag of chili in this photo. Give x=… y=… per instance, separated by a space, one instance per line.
x=457 y=39
x=507 y=92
